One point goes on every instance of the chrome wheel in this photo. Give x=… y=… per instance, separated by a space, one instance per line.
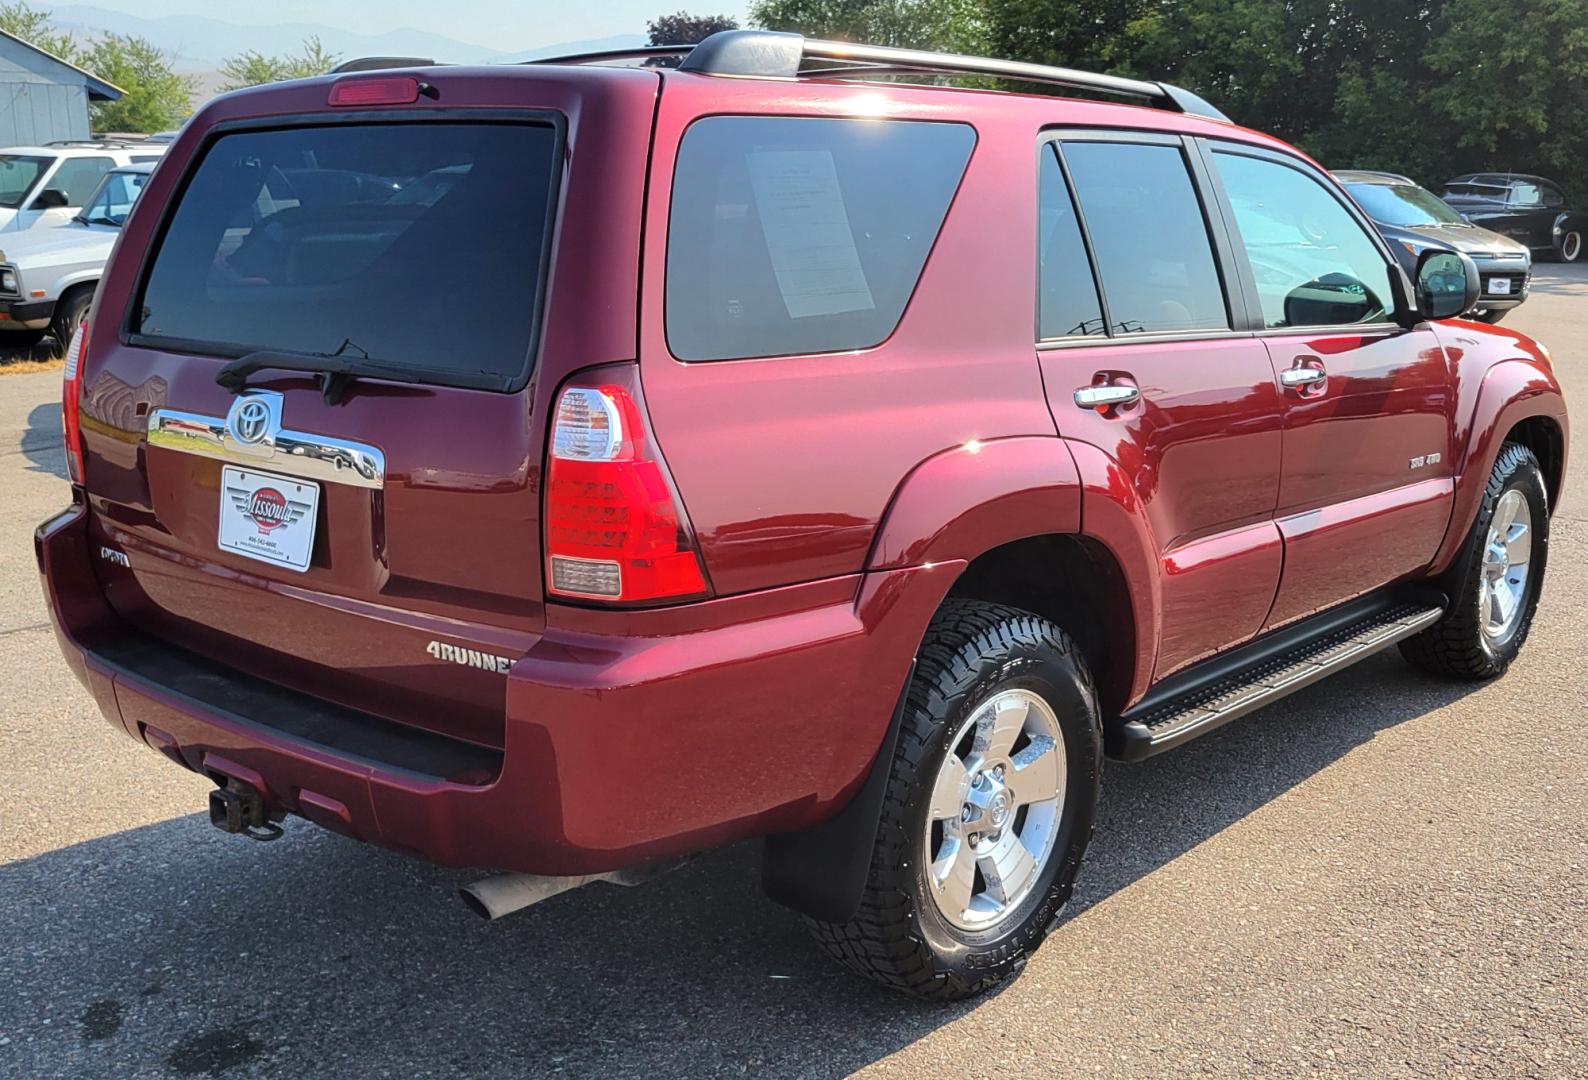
x=1502 y=586
x=995 y=809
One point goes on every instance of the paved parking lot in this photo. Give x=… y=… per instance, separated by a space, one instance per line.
x=1382 y=875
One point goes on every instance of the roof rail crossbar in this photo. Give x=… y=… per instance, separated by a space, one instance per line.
x=380 y=63
x=770 y=53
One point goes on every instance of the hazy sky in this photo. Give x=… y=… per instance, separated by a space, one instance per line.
x=499 y=24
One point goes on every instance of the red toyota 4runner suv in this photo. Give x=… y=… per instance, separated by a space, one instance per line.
x=565 y=468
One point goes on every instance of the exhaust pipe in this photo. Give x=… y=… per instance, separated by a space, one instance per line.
x=494 y=897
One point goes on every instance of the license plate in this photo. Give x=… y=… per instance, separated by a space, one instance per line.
x=267 y=517
x=1500 y=286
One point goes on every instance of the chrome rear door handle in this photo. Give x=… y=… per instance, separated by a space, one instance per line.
x=1297 y=377
x=1098 y=397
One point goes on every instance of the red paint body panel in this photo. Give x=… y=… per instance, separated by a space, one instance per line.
x=836 y=499
x=1201 y=454
x=1356 y=514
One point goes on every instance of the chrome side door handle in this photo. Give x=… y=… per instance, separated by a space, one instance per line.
x=1106 y=395
x=1297 y=377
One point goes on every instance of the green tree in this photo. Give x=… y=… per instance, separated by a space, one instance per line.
x=685 y=29
x=35 y=27
x=255 y=68
x=944 y=25
x=156 y=96
x=1511 y=85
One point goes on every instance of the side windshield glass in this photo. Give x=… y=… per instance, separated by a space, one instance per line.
x=1313 y=263
x=1149 y=237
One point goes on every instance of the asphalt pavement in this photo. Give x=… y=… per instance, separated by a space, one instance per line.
x=1383 y=875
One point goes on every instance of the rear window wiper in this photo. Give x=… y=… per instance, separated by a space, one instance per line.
x=335 y=371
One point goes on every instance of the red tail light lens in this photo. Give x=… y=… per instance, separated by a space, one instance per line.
x=71 y=395
x=615 y=530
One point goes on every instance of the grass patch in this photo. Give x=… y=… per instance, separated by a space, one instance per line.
x=27 y=365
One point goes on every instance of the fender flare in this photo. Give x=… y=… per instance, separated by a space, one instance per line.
x=968 y=500
x=1566 y=221
x=1512 y=391
x=953 y=507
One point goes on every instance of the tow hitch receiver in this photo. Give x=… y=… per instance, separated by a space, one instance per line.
x=238 y=808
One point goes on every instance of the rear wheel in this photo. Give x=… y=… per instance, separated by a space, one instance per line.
x=1495 y=583
x=1570 y=248
x=989 y=807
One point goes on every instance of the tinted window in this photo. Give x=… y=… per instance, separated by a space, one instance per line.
x=1313 y=263
x=791 y=235
x=302 y=240
x=1553 y=197
x=1067 y=305
x=17 y=175
x=79 y=176
x=1149 y=237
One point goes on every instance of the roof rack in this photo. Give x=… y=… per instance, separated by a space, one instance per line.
x=380 y=63
x=773 y=54
x=100 y=144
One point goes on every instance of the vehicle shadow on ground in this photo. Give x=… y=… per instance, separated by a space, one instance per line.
x=43 y=445
x=174 y=947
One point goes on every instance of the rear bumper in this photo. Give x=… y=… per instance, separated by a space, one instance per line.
x=761 y=717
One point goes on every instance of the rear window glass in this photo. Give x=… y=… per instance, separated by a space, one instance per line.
x=419 y=245
x=800 y=235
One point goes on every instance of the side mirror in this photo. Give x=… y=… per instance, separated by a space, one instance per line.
x=1447 y=284
x=50 y=199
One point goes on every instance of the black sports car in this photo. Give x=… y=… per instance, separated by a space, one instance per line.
x=1413 y=220
x=1529 y=209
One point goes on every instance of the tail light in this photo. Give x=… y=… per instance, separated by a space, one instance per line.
x=615 y=529
x=71 y=395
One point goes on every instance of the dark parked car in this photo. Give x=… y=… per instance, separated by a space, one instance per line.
x=747 y=491
x=1529 y=209
x=1414 y=220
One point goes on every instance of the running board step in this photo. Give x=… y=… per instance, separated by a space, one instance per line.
x=1159 y=723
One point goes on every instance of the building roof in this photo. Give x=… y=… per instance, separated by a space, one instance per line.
x=98 y=89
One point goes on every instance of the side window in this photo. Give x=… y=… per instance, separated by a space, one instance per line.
x=79 y=176
x=1149 y=237
x=1313 y=263
x=792 y=235
x=1552 y=197
x=1067 y=304
x=1526 y=195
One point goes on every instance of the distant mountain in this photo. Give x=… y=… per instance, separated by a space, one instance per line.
x=199 y=45
x=570 y=48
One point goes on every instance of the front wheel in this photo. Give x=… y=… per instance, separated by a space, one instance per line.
x=988 y=811
x=70 y=314
x=1495 y=582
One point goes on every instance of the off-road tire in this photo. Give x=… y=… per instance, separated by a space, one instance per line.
x=898 y=937
x=1456 y=645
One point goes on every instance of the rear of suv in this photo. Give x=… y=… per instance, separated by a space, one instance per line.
x=563 y=469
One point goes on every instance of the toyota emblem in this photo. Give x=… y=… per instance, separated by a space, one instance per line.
x=251 y=422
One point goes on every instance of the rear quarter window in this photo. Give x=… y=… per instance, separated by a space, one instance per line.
x=793 y=235
x=417 y=244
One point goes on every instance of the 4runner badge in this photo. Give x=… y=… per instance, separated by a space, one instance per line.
x=440 y=650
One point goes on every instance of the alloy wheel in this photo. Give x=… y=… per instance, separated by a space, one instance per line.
x=995 y=809
x=1508 y=549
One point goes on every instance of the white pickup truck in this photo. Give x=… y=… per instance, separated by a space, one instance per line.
x=47 y=276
